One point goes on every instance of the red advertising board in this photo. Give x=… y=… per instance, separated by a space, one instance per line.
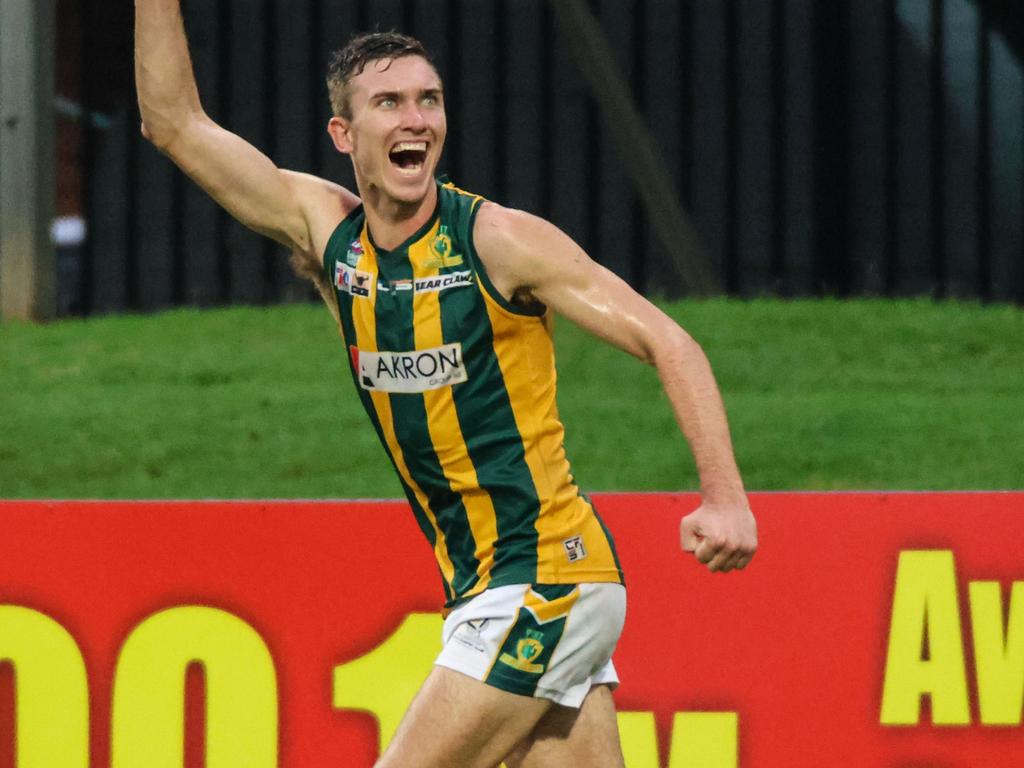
x=870 y=630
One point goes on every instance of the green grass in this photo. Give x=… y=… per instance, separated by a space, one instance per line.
x=254 y=403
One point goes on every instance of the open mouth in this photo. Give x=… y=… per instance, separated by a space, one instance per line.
x=408 y=156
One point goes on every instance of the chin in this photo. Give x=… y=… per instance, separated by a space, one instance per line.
x=411 y=191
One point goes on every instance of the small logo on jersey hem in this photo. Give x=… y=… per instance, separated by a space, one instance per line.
x=527 y=649
x=574 y=549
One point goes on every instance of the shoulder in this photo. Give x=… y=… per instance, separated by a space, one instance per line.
x=522 y=247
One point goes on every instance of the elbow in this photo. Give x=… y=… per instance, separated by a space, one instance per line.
x=672 y=346
x=159 y=135
x=162 y=129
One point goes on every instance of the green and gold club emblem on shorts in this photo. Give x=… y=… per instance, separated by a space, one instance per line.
x=527 y=649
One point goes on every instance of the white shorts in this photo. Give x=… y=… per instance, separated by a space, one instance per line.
x=551 y=641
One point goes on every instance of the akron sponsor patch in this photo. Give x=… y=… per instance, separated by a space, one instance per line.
x=408 y=372
x=443 y=282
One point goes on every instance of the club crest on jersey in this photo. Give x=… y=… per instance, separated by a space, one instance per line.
x=352 y=281
x=441 y=250
x=419 y=370
x=528 y=650
x=355 y=251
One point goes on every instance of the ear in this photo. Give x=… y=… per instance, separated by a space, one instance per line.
x=338 y=128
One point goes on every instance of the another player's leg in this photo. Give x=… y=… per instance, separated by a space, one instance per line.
x=588 y=736
x=458 y=721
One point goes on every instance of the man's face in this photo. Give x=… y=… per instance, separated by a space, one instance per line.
x=397 y=129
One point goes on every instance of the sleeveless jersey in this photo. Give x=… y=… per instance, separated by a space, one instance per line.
x=460 y=386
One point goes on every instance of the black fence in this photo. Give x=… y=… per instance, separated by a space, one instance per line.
x=873 y=147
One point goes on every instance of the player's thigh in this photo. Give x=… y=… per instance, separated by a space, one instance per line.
x=587 y=737
x=458 y=722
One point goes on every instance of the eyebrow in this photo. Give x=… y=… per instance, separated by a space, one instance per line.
x=396 y=95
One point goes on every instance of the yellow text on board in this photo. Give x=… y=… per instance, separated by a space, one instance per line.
x=927 y=655
x=242 y=720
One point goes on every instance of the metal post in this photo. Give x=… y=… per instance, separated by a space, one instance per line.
x=596 y=60
x=27 y=260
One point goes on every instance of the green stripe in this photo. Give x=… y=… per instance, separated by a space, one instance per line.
x=338 y=248
x=489 y=426
x=395 y=333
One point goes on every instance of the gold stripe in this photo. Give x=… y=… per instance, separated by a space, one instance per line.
x=525 y=355
x=365 y=321
x=443 y=423
x=545 y=610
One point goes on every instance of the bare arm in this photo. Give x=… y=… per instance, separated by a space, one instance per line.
x=527 y=255
x=283 y=205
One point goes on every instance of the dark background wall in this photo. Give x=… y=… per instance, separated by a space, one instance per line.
x=848 y=148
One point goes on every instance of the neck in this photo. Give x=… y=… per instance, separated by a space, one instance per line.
x=391 y=221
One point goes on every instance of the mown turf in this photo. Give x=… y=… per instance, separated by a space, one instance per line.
x=254 y=403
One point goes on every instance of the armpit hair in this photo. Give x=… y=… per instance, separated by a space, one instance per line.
x=307 y=266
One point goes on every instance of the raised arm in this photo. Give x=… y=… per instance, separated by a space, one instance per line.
x=283 y=205
x=526 y=255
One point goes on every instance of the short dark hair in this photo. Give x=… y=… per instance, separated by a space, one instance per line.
x=363 y=48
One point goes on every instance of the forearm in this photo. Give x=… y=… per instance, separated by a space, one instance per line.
x=691 y=388
x=168 y=96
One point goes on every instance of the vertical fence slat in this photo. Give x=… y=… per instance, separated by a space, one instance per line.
x=936 y=142
x=868 y=146
x=710 y=148
x=833 y=268
x=983 y=156
x=665 y=96
x=616 y=198
x=1007 y=94
x=959 y=210
x=107 y=226
x=337 y=25
x=754 y=160
x=474 y=131
x=526 y=119
x=154 y=225
x=913 y=153
x=572 y=126
x=797 y=206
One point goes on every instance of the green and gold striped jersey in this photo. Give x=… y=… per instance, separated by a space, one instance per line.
x=460 y=386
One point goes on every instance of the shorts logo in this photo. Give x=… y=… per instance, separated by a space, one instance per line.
x=527 y=651
x=352 y=281
x=574 y=549
x=443 y=282
x=468 y=634
x=407 y=372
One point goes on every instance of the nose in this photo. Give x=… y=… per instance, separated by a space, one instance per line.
x=412 y=117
